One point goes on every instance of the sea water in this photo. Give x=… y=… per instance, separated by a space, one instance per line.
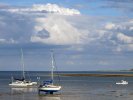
x=73 y=88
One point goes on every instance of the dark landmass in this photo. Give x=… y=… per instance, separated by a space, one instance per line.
x=131 y=70
x=99 y=75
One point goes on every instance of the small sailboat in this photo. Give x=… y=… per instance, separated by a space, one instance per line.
x=122 y=82
x=21 y=82
x=48 y=86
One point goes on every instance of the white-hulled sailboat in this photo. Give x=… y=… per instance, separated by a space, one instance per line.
x=48 y=86
x=18 y=83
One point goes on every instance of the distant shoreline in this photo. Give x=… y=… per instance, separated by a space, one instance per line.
x=72 y=71
x=99 y=75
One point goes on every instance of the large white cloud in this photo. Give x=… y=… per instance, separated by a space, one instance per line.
x=48 y=25
x=61 y=32
x=45 y=8
x=53 y=8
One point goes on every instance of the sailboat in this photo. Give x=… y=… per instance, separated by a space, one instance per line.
x=48 y=86
x=122 y=82
x=21 y=82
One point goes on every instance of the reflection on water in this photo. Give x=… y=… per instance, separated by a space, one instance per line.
x=14 y=90
x=30 y=94
x=49 y=97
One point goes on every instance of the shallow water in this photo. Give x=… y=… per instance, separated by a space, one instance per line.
x=73 y=88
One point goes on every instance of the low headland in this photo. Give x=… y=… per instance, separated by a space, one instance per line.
x=99 y=75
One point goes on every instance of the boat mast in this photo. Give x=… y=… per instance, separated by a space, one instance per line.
x=52 y=57
x=22 y=62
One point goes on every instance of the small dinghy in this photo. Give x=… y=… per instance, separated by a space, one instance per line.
x=122 y=82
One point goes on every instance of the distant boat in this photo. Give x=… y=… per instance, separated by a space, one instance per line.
x=122 y=82
x=48 y=86
x=21 y=82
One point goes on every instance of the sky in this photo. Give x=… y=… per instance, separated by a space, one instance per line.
x=86 y=35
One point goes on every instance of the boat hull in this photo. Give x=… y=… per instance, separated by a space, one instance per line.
x=122 y=82
x=22 y=84
x=49 y=89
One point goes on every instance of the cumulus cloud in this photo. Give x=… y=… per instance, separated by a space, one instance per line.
x=116 y=26
x=61 y=31
x=124 y=38
x=110 y=26
x=45 y=8
x=38 y=28
x=54 y=8
x=57 y=29
x=111 y=35
x=53 y=26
